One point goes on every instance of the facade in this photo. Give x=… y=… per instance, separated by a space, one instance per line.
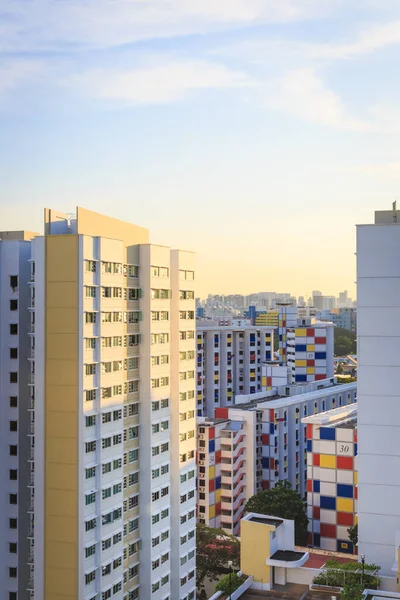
x=16 y=546
x=310 y=351
x=332 y=478
x=268 y=319
x=378 y=308
x=229 y=363
x=112 y=343
x=257 y=443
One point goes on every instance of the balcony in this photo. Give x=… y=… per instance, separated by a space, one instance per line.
x=31 y=479
x=31 y=428
x=31 y=403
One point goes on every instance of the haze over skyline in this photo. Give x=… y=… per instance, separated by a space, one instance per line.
x=256 y=133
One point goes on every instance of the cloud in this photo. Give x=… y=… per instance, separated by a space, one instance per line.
x=156 y=84
x=387 y=170
x=16 y=72
x=66 y=24
x=301 y=93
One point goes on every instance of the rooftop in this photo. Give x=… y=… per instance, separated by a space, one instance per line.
x=266 y=521
x=343 y=416
x=287 y=555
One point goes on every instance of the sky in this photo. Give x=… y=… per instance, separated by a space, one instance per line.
x=255 y=132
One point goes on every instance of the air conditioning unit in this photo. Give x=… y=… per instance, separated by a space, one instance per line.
x=201 y=463
x=202 y=475
x=201 y=436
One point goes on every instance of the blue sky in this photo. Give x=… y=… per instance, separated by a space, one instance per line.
x=255 y=132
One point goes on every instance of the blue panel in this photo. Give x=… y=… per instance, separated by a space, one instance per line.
x=317 y=540
x=355 y=449
x=328 y=502
x=301 y=348
x=344 y=490
x=327 y=433
x=265 y=462
x=268 y=356
x=252 y=337
x=345 y=546
x=309 y=445
x=211 y=445
x=320 y=356
x=280 y=337
x=316 y=486
x=218 y=483
x=272 y=428
x=301 y=377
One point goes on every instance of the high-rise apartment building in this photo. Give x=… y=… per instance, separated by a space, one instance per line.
x=378 y=311
x=257 y=443
x=16 y=544
x=112 y=343
x=309 y=351
x=229 y=363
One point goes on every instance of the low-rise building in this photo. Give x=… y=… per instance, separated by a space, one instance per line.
x=332 y=478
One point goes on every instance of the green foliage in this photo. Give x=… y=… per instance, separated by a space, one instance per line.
x=214 y=548
x=345 y=342
x=339 y=369
x=223 y=584
x=353 y=591
x=350 y=574
x=353 y=534
x=284 y=502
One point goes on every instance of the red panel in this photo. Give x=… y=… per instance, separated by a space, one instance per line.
x=309 y=485
x=355 y=435
x=265 y=485
x=271 y=415
x=316 y=460
x=221 y=413
x=265 y=439
x=269 y=381
x=309 y=432
x=356 y=493
x=320 y=340
x=310 y=332
x=345 y=519
x=217 y=456
x=311 y=363
x=310 y=540
x=211 y=433
x=328 y=530
x=211 y=485
x=321 y=376
x=272 y=463
x=345 y=462
x=316 y=513
x=218 y=508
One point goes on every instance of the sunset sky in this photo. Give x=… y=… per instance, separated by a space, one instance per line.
x=255 y=132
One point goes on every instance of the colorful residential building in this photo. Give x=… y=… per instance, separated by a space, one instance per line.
x=270 y=318
x=332 y=478
x=287 y=319
x=257 y=443
x=309 y=348
x=229 y=363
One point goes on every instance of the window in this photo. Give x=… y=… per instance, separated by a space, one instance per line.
x=13 y=498
x=13 y=401
x=165 y=447
x=90 y=446
x=13 y=304
x=89 y=577
x=90 y=421
x=13 y=352
x=165 y=513
x=133 y=294
x=89 y=525
x=90 y=317
x=90 y=291
x=165 y=403
x=106 y=493
x=159 y=271
x=13 y=450
x=13 y=474
x=186 y=295
x=90 y=472
x=12 y=523
x=90 y=369
x=12 y=548
x=12 y=572
x=13 y=329
x=13 y=377
x=90 y=343
x=160 y=294
x=90 y=498
x=13 y=425
x=90 y=551
x=164 y=536
x=90 y=266
x=90 y=395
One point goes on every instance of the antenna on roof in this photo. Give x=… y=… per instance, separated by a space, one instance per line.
x=395 y=211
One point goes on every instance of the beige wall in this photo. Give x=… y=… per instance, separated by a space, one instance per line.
x=255 y=549
x=61 y=418
x=92 y=223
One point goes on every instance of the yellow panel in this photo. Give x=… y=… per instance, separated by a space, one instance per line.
x=301 y=332
x=327 y=461
x=211 y=472
x=284 y=338
x=310 y=370
x=255 y=549
x=217 y=495
x=301 y=363
x=61 y=418
x=263 y=381
x=211 y=511
x=355 y=477
x=344 y=504
x=310 y=348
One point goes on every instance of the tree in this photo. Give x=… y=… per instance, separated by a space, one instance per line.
x=339 y=349
x=352 y=591
x=214 y=548
x=353 y=534
x=339 y=369
x=343 y=345
x=229 y=583
x=284 y=502
x=337 y=574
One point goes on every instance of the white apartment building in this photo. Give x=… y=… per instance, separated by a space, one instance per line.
x=112 y=343
x=15 y=405
x=378 y=327
x=229 y=363
x=257 y=443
